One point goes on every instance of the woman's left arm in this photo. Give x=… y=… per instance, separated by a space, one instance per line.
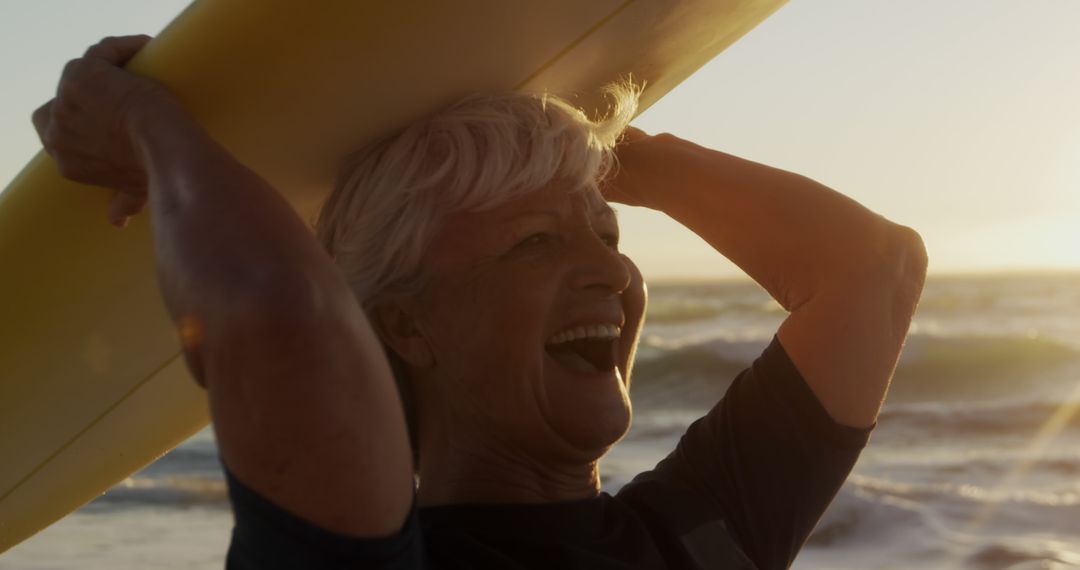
x=850 y=278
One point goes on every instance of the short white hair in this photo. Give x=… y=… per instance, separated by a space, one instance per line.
x=391 y=196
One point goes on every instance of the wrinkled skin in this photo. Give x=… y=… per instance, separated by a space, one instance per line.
x=501 y=283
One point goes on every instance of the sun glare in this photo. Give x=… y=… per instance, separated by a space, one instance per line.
x=1044 y=437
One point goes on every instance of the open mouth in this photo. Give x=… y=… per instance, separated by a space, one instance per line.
x=594 y=352
x=587 y=355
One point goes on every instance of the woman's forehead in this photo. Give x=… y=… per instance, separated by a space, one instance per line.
x=554 y=200
x=558 y=203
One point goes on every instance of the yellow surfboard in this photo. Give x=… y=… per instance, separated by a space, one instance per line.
x=92 y=384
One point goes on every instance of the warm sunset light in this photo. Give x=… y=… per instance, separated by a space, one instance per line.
x=958 y=119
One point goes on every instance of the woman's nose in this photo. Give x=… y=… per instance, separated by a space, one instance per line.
x=600 y=266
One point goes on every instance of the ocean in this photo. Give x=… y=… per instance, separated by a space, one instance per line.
x=975 y=463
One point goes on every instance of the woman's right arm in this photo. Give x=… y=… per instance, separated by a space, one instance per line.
x=302 y=398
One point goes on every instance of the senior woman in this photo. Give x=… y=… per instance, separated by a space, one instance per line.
x=474 y=255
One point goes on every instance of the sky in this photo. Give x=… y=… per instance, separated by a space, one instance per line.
x=960 y=119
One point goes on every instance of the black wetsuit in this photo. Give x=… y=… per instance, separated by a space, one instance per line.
x=743 y=489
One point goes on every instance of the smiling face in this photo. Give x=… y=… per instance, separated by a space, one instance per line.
x=528 y=323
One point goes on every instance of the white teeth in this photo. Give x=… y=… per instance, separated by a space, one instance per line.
x=606 y=332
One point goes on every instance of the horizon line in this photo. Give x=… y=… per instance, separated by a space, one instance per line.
x=1040 y=271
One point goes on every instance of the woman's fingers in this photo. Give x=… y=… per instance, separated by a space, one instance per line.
x=117 y=50
x=621 y=187
x=86 y=128
x=122 y=207
x=41 y=118
x=631 y=134
x=85 y=169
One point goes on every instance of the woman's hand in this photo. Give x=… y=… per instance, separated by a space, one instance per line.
x=629 y=184
x=90 y=128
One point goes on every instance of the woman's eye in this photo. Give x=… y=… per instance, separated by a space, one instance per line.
x=535 y=239
x=612 y=240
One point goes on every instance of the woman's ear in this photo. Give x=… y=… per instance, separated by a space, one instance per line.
x=394 y=323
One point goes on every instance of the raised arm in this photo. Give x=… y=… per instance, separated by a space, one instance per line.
x=303 y=402
x=850 y=278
